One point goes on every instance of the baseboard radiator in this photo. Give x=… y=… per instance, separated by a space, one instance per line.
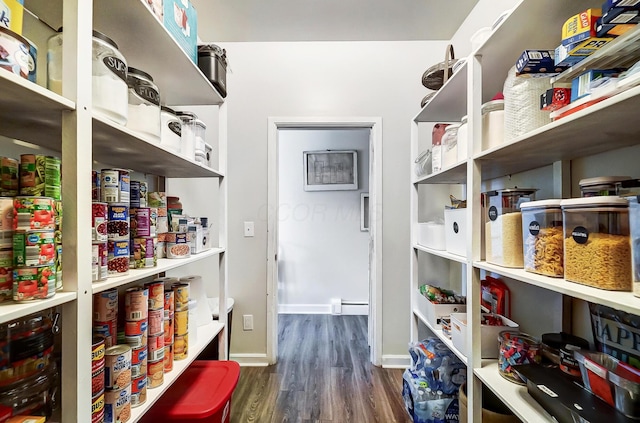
x=338 y=303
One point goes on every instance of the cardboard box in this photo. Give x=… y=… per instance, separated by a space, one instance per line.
x=555 y=98
x=488 y=335
x=612 y=30
x=538 y=61
x=624 y=4
x=581 y=85
x=181 y=20
x=157 y=8
x=569 y=55
x=435 y=312
x=11 y=15
x=619 y=15
x=580 y=27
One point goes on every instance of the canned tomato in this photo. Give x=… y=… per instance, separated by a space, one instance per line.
x=99 y=221
x=139 y=362
x=52 y=177
x=140 y=221
x=95 y=186
x=168 y=358
x=117 y=367
x=97 y=366
x=156 y=294
x=181 y=296
x=105 y=305
x=169 y=302
x=138 y=391
x=118 y=260
x=135 y=333
x=181 y=322
x=117 y=222
x=136 y=303
x=144 y=253
x=33 y=213
x=97 y=408
x=117 y=405
x=34 y=283
x=115 y=185
x=9 y=177
x=107 y=331
x=155 y=347
x=180 y=347
x=32 y=172
x=155 y=376
x=6 y=214
x=33 y=248
x=168 y=327
x=6 y=275
x=156 y=322
x=100 y=257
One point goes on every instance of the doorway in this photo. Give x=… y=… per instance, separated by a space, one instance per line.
x=281 y=129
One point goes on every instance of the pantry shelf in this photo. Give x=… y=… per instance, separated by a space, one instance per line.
x=10 y=310
x=205 y=335
x=441 y=253
x=455 y=174
x=117 y=145
x=438 y=332
x=624 y=301
x=514 y=396
x=608 y=125
x=163 y=266
x=449 y=103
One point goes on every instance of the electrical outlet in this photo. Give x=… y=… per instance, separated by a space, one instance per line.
x=248 y=229
x=247 y=322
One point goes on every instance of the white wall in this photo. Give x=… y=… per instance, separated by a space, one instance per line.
x=322 y=254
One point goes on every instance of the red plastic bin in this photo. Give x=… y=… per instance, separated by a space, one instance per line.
x=201 y=394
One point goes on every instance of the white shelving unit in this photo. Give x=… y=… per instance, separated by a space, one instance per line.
x=34 y=115
x=605 y=127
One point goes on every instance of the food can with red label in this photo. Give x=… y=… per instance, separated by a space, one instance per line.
x=181 y=296
x=95 y=185
x=169 y=300
x=168 y=327
x=34 y=283
x=118 y=259
x=140 y=222
x=115 y=185
x=6 y=214
x=143 y=252
x=117 y=222
x=168 y=358
x=6 y=275
x=97 y=408
x=9 y=176
x=155 y=348
x=105 y=305
x=138 y=391
x=97 y=366
x=99 y=262
x=180 y=347
x=117 y=405
x=33 y=248
x=106 y=330
x=99 y=221
x=155 y=376
x=117 y=367
x=139 y=362
x=136 y=303
x=156 y=322
x=33 y=213
x=156 y=294
x=135 y=333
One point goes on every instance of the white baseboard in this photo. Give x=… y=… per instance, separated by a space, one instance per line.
x=348 y=310
x=396 y=361
x=250 y=360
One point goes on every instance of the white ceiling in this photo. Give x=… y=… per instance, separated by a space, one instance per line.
x=329 y=20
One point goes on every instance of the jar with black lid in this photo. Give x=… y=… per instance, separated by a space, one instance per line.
x=212 y=61
x=144 y=104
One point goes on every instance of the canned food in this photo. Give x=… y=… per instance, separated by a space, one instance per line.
x=57 y=217
x=118 y=222
x=156 y=322
x=18 y=55
x=6 y=239
x=178 y=251
x=138 y=391
x=32 y=172
x=176 y=237
x=155 y=347
x=95 y=186
x=8 y=177
x=6 y=214
x=136 y=303
x=162 y=222
x=59 y=266
x=52 y=178
x=105 y=305
x=6 y=275
x=180 y=347
x=140 y=222
x=168 y=327
x=135 y=333
x=161 y=249
x=155 y=376
x=134 y=194
x=144 y=189
x=156 y=294
x=117 y=367
x=34 y=283
x=144 y=253
x=115 y=185
x=117 y=405
x=181 y=322
x=181 y=295
x=169 y=304
x=33 y=248
x=97 y=408
x=33 y=213
x=118 y=260
x=168 y=358
x=99 y=264
x=157 y=199
x=99 y=221
x=139 y=362
x=153 y=221
x=97 y=366
x=107 y=331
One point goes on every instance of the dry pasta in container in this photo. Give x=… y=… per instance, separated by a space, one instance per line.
x=542 y=237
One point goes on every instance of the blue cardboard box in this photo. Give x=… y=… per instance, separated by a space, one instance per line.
x=181 y=20
x=623 y=4
x=620 y=15
x=581 y=85
x=537 y=61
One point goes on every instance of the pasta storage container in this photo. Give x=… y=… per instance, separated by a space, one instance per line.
x=492 y=123
x=634 y=228
x=542 y=237
x=503 y=227
x=602 y=185
x=597 y=247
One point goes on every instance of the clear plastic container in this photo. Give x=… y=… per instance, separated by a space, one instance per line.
x=542 y=237
x=492 y=124
x=450 y=146
x=170 y=129
x=634 y=229
x=602 y=185
x=144 y=104
x=517 y=348
x=188 y=137
x=200 y=130
x=463 y=141
x=109 y=75
x=597 y=247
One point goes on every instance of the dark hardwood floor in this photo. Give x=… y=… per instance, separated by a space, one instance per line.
x=323 y=375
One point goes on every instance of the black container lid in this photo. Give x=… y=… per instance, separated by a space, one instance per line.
x=167 y=109
x=559 y=340
x=138 y=72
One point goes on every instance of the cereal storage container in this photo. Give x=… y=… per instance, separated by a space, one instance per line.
x=634 y=228
x=503 y=227
x=542 y=237
x=597 y=247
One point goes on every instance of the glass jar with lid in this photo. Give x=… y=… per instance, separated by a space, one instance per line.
x=108 y=77
x=144 y=104
x=171 y=129
x=542 y=237
x=450 y=146
x=188 y=137
x=492 y=123
x=200 y=154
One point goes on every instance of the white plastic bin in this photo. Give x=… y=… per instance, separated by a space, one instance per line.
x=455 y=227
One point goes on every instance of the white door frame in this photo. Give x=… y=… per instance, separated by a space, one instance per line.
x=375 y=223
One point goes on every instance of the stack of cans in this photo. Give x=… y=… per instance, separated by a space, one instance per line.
x=117 y=375
x=97 y=380
x=157 y=202
x=6 y=248
x=115 y=190
x=181 y=320
x=155 y=354
x=136 y=326
x=169 y=310
x=99 y=266
x=105 y=316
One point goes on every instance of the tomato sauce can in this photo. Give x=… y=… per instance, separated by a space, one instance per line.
x=6 y=214
x=168 y=327
x=138 y=391
x=180 y=347
x=33 y=248
x=97 y=408
x=155 y=376
x=34 y=283
x=118 y=257
x=135 y=333
x=9 y=176
x=117 y=367
x=155 y=347
x=139 y=362
x=33 y=213
x=107 y=331
x=181 y=296
x=99 y=262
x=156 y=294
x=168 y=358
x=99 y=221
x=105 y=305
x=6 y=275
x=136 y=303
x=95 y=185
x=115 y=185
x=117 y=405
x=97 y=366
x=117 y=221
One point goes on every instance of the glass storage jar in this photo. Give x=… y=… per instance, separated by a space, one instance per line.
x=108 y=77
x=542 y=237
x=170 y=129
x=188 y=137
x=492 y=124
x=144 y=104
x=634 y=229
x=437 y=146
x=597 y=247
x=463 y=141
x=422 y=163
x=199 y=145
x=517 y=348
x=450 y=146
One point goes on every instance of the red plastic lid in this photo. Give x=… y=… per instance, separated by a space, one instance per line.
x=201 y=391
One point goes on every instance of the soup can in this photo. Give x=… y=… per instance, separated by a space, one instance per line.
x=180 y=347
x=31 y=213
x=105 y=305
x=117 y=222
x=168 y=358
x=134 y=194
x=136 y=303
x=156 y=322
x=169 y=302
x=115 y=186
x=97 y=408
x=181 y=322
x=97 y=366
x=139 y=362
x=155 y=348
x=95 y=186
x=168 y=327
x=135 y=333
x=155 y=375
x=107 y=331
x=156 y=294
x=34 y=283
x=181 y=296
x=118 y=259
x=117 y=367
x=33 y=248
x=99 y=264
x=138 y=391
x=99 y=221
x=144 y=252
x=9 y=176
x=117 y=405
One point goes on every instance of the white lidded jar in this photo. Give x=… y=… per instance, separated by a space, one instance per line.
x=108 y=77
x=144 y=104
x=170 y=129
x=188 y=134
x=492 y=124
x=199 y=142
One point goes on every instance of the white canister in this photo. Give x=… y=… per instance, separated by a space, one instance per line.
x=200 y=154
x=463 y=141
x=450 y=146
x=492 y=124
x=170 y=129
x=188 y=138
x=144 y=104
